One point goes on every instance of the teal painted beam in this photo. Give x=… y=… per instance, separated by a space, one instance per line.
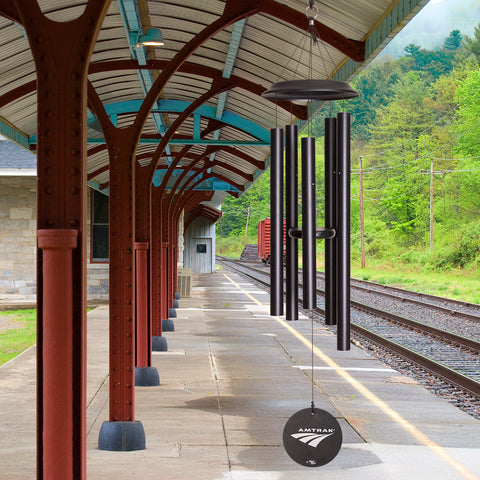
x=208 y=185
x=133 y=26
x=197 y=123
x=235 y=39
x=191 y=141
x=9 y=131
x=186 y=141
x=237 y=34
x=178 y=106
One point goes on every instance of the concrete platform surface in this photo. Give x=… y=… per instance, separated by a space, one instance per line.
x=231 y=378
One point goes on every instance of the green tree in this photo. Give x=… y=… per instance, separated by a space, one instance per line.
x=453 y=41
x=473 y=44
x=398 y=185
x=254 y=204
x=432 y=63
x=467 y=123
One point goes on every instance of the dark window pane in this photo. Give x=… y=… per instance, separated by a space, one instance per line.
x=100 y=242
x=201 y=248
x=100 y=207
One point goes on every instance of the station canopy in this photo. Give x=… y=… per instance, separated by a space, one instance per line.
x=223 y=131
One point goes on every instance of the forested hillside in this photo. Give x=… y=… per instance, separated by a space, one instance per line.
x=416 y=140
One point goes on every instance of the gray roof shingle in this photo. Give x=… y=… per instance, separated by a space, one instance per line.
x=14 y=156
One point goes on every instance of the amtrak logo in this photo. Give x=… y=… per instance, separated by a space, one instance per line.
x=312 y=439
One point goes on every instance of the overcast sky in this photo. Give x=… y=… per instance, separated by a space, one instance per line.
x=434 y=22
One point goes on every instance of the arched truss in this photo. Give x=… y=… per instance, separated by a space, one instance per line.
x=350 y=47
x=179 y=106
x=201 y=210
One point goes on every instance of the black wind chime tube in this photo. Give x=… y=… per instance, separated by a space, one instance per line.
x=276 y=222
x=343 y=231
x=291 y=220
x=330 y=218
x=308 y=224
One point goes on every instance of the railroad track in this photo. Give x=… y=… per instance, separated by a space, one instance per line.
x=447 y=355
x=448 y=306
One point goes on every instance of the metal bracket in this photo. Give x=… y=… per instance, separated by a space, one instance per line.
x=320 y=233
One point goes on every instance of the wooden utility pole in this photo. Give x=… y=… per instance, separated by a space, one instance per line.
x=431 y=204
x=431 y=172
x=362 y=225
x=248 y=217
x=362 y=230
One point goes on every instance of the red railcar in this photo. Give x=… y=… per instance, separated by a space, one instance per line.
x=263 y=247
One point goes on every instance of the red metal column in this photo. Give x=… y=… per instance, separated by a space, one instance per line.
x=167 y=286
x=142 y=334
x=164 y=281
x=157 y=262
x=145 y=374
x=57 y=247
x=176 y=216
x=121 y=432
x=122 y=277
x=61 y=52
x=142 y=234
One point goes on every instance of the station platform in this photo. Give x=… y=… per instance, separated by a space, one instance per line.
x=231 y=378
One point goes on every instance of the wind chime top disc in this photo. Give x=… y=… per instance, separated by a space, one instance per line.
x=305 y=90
x=312 y=438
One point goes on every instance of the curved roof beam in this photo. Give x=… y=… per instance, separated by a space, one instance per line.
x=234 y=11
x=9 y=10
x=207 y=111
x=219 y=85
x=239 y=187
x=193 y=199
x=299 y=111
x=354 y=49
x=190 y=168
x=213 y=125
x=201 y=211
x=216 y=163
x=236 y=153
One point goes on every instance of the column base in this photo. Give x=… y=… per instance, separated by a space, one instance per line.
x=168 y=325
x=146 y=377
x=121 y=436
x=172 y=313
x=175 y=304
x=176 y=296
x=159 y=344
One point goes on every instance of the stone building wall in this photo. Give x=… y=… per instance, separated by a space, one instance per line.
x=18 y=200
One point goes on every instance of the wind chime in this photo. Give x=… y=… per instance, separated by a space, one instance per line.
x=312 y=437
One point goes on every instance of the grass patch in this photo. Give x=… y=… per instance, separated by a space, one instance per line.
x=18 y=331
x=460 y=285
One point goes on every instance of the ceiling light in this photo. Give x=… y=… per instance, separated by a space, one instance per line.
x=153 y=38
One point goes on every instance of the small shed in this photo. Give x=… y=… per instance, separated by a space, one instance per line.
x=199 y=254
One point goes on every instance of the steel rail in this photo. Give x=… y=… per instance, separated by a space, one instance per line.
x=414 y=301
x=439 y=333
x=451 y=376
x=437 y=368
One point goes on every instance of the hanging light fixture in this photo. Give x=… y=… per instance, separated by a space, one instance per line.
x=153 y=38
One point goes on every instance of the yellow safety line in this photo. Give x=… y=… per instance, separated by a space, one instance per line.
x=381 y=404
